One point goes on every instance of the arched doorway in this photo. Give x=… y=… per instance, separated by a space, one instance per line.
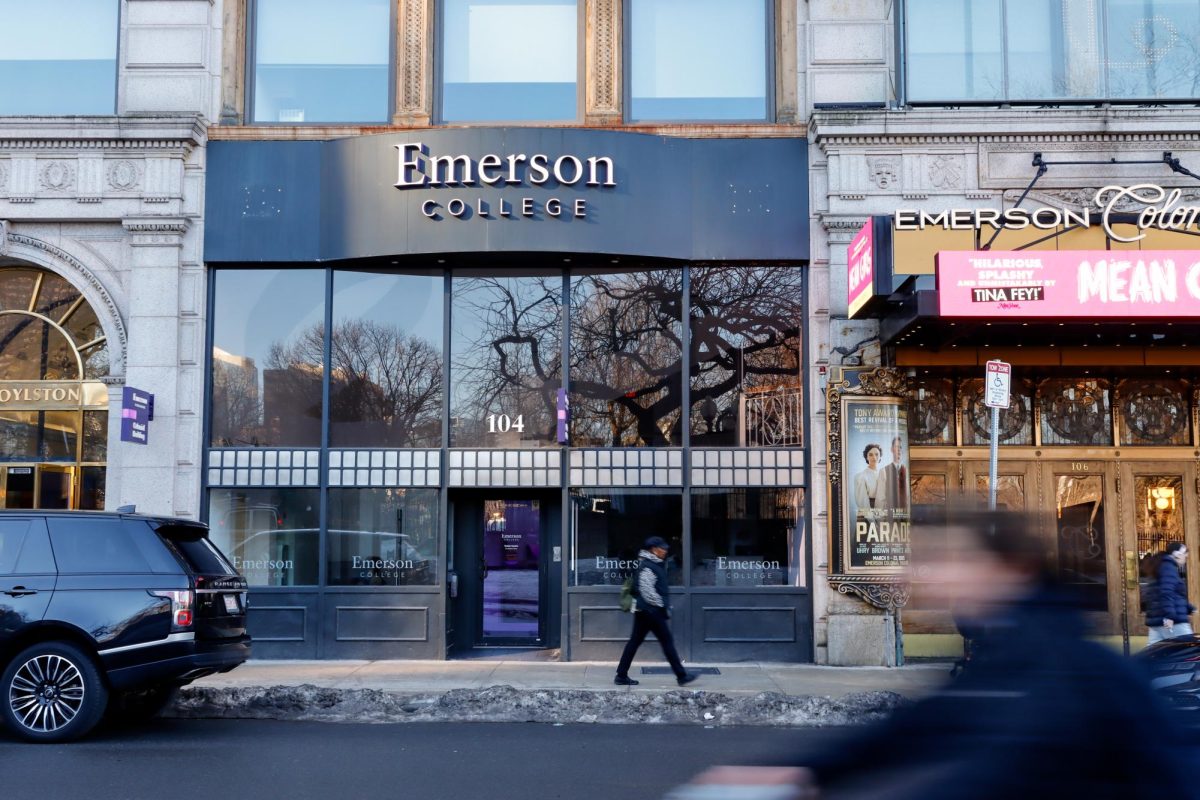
x=53 y=408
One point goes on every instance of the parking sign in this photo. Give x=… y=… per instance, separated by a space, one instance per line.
x=998 y=385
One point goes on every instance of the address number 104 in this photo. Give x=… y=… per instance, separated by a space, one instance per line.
x=503 y=423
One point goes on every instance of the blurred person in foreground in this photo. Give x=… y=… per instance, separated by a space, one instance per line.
x=1168 y=612
x=1039 y=712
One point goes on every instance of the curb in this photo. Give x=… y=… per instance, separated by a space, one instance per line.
x=507 y=704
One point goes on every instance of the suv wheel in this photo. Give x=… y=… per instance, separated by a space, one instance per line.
x=52 y=692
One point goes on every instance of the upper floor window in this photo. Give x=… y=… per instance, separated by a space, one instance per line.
x=1034 y=50
x=58 y=57
x=510 y=60
x=698 y=59
x=316 y=61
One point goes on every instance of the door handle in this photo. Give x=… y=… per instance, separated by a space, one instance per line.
x=19 y=591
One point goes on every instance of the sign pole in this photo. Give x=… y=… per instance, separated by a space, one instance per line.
x=994 y=458
x=997 y=387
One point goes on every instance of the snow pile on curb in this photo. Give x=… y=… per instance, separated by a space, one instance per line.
x=506 y=704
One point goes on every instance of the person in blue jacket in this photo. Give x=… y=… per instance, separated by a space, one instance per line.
x=1167 y=609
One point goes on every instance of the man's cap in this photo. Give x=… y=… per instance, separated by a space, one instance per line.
x=657 y=541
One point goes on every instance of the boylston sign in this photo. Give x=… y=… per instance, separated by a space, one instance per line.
x=1153 y=207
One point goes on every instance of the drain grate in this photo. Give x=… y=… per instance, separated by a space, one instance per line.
x=667 y=670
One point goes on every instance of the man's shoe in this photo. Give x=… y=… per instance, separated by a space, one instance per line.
x=624 y=681
x=687 y=678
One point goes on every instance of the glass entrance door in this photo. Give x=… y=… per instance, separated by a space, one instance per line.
x=19 y=484
x=55 y=487
x=510 y=572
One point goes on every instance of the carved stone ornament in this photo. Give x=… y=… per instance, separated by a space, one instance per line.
x=3 y=177
x=885 y=593
x=946 y=172
x=57 y=176
x=3 y=237
x=123 y=175
x=884 y=381
x=885 y=171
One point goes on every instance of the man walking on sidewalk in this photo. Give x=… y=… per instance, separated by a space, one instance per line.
x=652 y=610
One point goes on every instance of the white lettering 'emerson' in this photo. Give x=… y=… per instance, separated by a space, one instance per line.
x=417 y=168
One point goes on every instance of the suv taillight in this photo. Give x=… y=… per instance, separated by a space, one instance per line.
x=182 y=602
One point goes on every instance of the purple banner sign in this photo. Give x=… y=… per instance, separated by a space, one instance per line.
x=137 y=409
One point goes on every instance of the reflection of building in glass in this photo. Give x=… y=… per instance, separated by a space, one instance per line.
x=237 y=406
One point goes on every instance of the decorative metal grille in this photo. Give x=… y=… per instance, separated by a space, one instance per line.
x=1154 y=413
x=1016 y=421
x=1075 y=411
x=773 y=419
x=931 y=412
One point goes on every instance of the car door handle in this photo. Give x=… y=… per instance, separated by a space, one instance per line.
x=19 y=591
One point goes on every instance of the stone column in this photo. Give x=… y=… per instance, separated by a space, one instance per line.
x=153 y=364
x=233 y=62
x=116 y=448
x=414 y=63
x=602 y=63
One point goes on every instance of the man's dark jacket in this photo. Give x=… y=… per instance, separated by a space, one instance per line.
x=1167 y=596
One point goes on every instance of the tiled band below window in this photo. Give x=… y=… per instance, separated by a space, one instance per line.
x=747 y=467
x=264 y=467
x=385 y=467
x=627 y=467
x=505 y=468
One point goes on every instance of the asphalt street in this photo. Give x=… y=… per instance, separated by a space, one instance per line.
x=234 y=759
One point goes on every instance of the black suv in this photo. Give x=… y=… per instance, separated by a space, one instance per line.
x=109 y=612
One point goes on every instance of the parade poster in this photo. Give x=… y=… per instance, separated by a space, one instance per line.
x=875 y=483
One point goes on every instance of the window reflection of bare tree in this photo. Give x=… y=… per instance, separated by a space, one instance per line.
x=237 y=416
x=385 y=385
x=745 y=341
x=625 y=359
x=506 y=357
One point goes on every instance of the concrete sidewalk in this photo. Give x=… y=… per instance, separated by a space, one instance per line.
x=417 y=677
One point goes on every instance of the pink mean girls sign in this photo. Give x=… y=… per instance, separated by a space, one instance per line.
x=1081 y=283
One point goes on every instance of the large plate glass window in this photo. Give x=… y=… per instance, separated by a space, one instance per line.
x=608 y=528
x=1031 y=50
x=505 y=360
x=272 y=536
x=267 y=358
x=383 y=537
x=745 y=360
x=510 y=60
x=58 y=57
x=747 y=538
x=316 y=61
x=385 y=377
x=626 y=359
x=679 y=64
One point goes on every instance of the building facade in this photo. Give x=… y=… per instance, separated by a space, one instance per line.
x=937 y=121
x=102 y=138
x=496 y=291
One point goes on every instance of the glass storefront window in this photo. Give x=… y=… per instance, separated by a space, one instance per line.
x=747 y=537
x=678 y=67
x=267 y=357
x=33 y=350
x=19 y=436
x=92 y=484
x=626 y=371
x=510 y=60
x=385 y=383
x=505 y=360
x=270 y=535
x=745 y=360
x=990 y=50
x=95 y=435
x=931 y=411
x=1016 y=421
x=383 y=537
x=316 y=61
x=1158 y=518
x=58 y=57
x=1154 y=413
x=609 y=527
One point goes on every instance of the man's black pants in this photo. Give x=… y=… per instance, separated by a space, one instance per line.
x=645 y=622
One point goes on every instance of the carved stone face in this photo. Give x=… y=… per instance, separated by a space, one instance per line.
x=883 y=172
